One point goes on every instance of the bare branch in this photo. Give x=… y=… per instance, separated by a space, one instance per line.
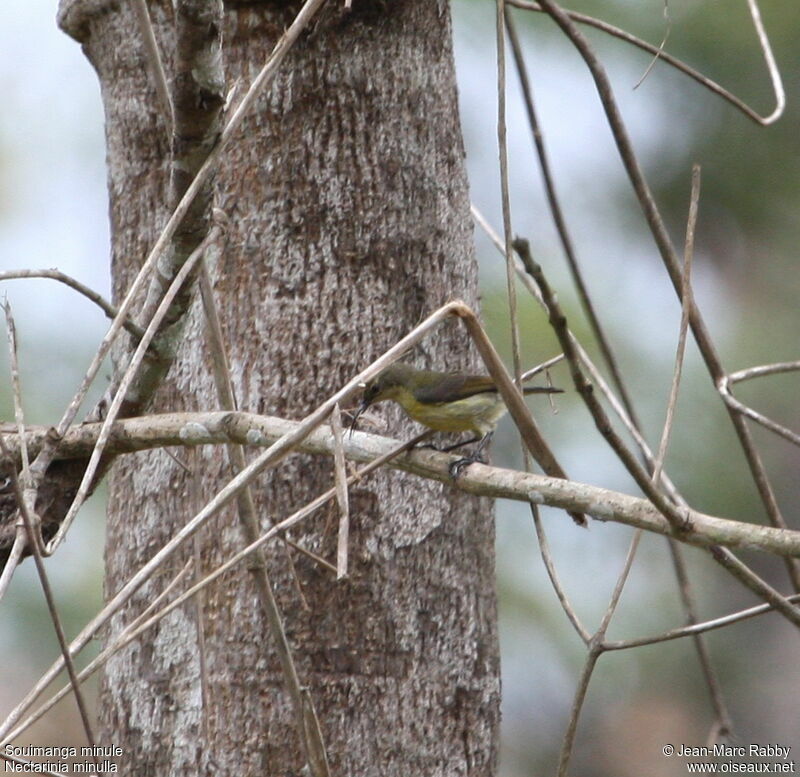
x=202 y=177
x=136 y=434
x=561 y=225
x=755 y=583
x=762 y=370
x=154 y=60
x=151 y=332
x=124 y=594
x=310 y=738
x=726 y=392
x=528 y=374
x=558 y=321
x=724 y=388
x=34 y=544
x=11 y=483
x=577 y=705
x=13 y=560
x=659 y=53
x=616 y=32
x=547 y=559
x=686 y=593
x=686 y=297
x=56 y=275
x=670 y=260
x=697 y=628
x=769 y=58
x=16 y=387
x=595 y=650
x=502 y=145
x=342 y=494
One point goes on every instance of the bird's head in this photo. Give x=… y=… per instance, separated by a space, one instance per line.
x=390 y=383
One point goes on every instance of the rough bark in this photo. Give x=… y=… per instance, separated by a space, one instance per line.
x=349 y=221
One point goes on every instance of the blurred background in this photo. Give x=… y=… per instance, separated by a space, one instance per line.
x=53 y=214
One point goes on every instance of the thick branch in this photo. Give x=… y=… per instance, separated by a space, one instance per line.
x=215 y=428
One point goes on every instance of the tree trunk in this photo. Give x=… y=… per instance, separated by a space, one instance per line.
x=349 y=221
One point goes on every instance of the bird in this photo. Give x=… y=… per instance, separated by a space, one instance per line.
x=453 y=402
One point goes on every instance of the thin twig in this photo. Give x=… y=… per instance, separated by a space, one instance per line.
x=342 y=496
x=154 y=61
x=739 y=407
x=196 y=560
x=142 y=625
x=160 y=597
x=561 y=225
x=502 y=145
x=546 y=365
x=600 y=634
x=275 y=453
x=762 y=370
x=595 y=650
x=577 y=705
x=761 y=588
x=112 y=412
x=661 y=46
x=686 y=299
x=33 y=543
x=16 y=387
x=679 y=566
x=697 y=628
x=772 y=66
x=670 y=260
x=21 y=536
x=14 y=557
x=310 y=739
x=309 y=554
x=726 y=392
x=616 y=32
x=90 y=294
x=547 y=559
x=723 y=717
x=679 y=519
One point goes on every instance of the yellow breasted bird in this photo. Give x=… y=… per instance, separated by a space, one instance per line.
x=453 y=402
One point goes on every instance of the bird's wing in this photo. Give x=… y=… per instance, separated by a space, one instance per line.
x=450 y=388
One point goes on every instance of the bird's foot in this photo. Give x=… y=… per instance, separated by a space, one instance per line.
x=459 y=465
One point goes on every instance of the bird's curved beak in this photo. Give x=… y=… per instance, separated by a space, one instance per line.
x=361 y=408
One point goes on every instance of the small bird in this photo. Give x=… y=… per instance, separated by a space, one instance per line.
x=453 y=402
